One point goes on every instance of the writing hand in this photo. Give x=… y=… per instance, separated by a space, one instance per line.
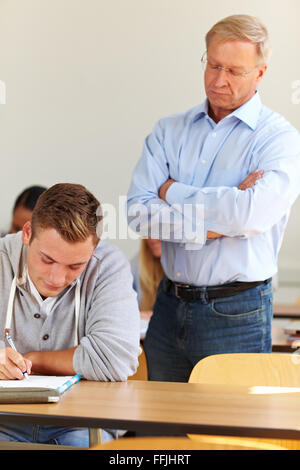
x=13 y=364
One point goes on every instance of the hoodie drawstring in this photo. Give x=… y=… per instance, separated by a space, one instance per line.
x=10 y=305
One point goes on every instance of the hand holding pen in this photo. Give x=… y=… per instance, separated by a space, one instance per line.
x=12 y=364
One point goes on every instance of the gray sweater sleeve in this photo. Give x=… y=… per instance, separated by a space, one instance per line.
x=109 y=348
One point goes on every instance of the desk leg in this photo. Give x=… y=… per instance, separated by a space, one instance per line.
x=95 y=436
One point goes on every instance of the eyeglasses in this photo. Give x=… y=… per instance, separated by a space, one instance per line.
x=217 y=68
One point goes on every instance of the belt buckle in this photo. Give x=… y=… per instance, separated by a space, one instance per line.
x=178 y=286
x=176 y=291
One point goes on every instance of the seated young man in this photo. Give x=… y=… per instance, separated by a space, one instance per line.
x=74 y=310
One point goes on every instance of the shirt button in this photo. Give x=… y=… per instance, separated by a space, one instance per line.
x=214 y=134
x=203 y=161
x=45 y=337
x=37 y=315
x=178 y=274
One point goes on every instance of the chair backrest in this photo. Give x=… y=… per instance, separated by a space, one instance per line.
x=142 y=370
x=183 y=443
x=249 y=369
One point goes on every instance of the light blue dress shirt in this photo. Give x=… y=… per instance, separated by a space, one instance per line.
x=208 y=161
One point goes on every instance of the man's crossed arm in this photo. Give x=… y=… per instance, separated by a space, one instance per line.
x=248 y=182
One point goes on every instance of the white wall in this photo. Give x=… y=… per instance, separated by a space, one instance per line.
x=87 y=79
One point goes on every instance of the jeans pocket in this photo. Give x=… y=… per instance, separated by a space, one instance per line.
x=240 y=305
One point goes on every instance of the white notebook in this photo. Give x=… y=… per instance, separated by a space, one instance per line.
x=38 y=381
x=36 y=389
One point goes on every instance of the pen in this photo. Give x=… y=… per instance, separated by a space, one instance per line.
x=11 y=343
x=68 y=383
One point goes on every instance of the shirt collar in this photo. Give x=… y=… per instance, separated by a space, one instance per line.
x=248 y=113
x=201 y=110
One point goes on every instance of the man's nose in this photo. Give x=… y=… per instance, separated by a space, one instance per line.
x=57 y=275
x=221 y=78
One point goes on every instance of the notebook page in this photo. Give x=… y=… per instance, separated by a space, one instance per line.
x=44 y=381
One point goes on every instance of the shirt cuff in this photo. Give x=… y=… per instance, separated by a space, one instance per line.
x=176 y=193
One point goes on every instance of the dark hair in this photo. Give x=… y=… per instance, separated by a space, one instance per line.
x=71 y=210
x=28 y=198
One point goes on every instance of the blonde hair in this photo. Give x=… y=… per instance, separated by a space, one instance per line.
x=150 y=273
x=243 y=28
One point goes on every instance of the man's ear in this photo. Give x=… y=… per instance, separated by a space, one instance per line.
x=261 y=72
x=26 y=233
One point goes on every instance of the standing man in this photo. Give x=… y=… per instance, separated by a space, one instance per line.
x=216 y=296
x=67 y=301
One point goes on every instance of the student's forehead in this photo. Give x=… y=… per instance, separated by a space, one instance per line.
x=49 y=243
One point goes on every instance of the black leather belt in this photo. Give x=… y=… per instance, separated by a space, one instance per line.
x=189 y=293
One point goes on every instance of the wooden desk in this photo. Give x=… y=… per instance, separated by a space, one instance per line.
x=167 y=408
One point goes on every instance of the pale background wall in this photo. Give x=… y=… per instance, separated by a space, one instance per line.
x=87 y=79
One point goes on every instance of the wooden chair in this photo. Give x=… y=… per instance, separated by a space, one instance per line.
x=141 y=374
x=142 y=370
x=183 y=443
x=250 y=369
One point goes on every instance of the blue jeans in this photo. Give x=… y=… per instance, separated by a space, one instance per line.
x=45 y=434
x=67 y=436
x=180 y=333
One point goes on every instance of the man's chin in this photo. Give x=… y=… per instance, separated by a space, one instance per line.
x=50 y=291
x=220 y=100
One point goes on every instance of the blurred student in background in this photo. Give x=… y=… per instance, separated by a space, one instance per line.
x=23 y=207
x=147 y=274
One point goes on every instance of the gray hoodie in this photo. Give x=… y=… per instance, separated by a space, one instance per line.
x=108 y=325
